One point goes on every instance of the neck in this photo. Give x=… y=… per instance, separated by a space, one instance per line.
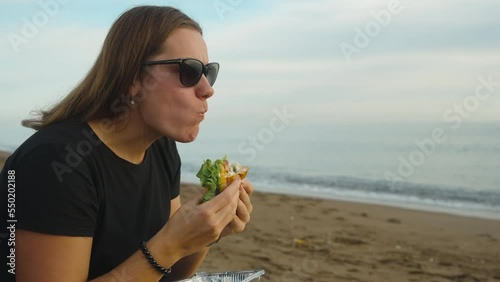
x=128 y=138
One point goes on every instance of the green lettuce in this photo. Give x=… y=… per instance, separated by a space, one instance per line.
x=209 y=175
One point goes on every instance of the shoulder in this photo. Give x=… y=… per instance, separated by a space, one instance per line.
x=58 y=146
x=55 y=188
x=60 y=134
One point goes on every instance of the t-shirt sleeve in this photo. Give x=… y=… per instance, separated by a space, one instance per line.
x=55 y=192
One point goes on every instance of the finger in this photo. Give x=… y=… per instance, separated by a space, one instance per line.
x=224 y=197
x=226 y=215
x=245 y=198
x=237 y=225
x=229 y=207
x=242 y=212
x=248 y=186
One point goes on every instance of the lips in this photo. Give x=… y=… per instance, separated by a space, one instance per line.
x=203 y=112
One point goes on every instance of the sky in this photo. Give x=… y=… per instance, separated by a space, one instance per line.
x=325 y=62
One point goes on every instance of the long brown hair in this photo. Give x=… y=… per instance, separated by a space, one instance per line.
x=136 y=35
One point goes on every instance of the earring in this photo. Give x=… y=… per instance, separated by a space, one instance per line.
x=132 y=102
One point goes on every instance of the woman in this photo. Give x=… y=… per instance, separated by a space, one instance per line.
x=97 y=186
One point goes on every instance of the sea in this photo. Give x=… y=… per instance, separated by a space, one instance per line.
x=451 y=168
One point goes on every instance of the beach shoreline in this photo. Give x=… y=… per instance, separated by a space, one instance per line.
x=394 y=203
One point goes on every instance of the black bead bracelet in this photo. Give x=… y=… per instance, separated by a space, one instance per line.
x=152 y=261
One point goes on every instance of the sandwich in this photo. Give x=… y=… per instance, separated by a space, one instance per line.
x=216 y=176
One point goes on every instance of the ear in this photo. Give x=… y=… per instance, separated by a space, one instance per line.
x=136 y=90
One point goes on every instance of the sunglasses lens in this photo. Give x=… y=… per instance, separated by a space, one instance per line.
x=212 y=71
x=191 y=71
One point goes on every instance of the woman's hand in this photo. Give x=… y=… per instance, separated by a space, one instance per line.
x=195 y=225
x=243 y=211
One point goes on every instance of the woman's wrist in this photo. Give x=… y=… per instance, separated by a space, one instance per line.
x=163 y=251
x=152 y=261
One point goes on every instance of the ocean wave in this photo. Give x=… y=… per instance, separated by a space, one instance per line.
x=347 y=184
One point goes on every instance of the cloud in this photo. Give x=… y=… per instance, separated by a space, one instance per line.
x=291 y=55
x=287 y=52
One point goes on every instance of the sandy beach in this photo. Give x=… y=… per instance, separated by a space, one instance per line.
x=305 y=239
x=3 y=157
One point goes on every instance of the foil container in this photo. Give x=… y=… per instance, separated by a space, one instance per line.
x=230 y=276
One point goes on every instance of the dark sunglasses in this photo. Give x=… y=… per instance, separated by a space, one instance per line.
x=191 y=70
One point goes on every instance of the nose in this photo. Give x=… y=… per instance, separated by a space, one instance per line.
x=203 y=89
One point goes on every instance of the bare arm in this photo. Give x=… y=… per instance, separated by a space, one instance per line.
x=188 y=265
x=43 y=257
x=40 y=257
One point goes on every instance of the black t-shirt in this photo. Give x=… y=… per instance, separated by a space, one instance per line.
x=67 y=182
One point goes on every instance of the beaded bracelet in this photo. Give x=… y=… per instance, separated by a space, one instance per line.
x=152 y=261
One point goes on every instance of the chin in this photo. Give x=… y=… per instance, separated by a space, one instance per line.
x=189 y=137
x=186 y=140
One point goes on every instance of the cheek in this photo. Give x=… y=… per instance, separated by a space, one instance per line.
x=176 y=106
x=169 y=111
